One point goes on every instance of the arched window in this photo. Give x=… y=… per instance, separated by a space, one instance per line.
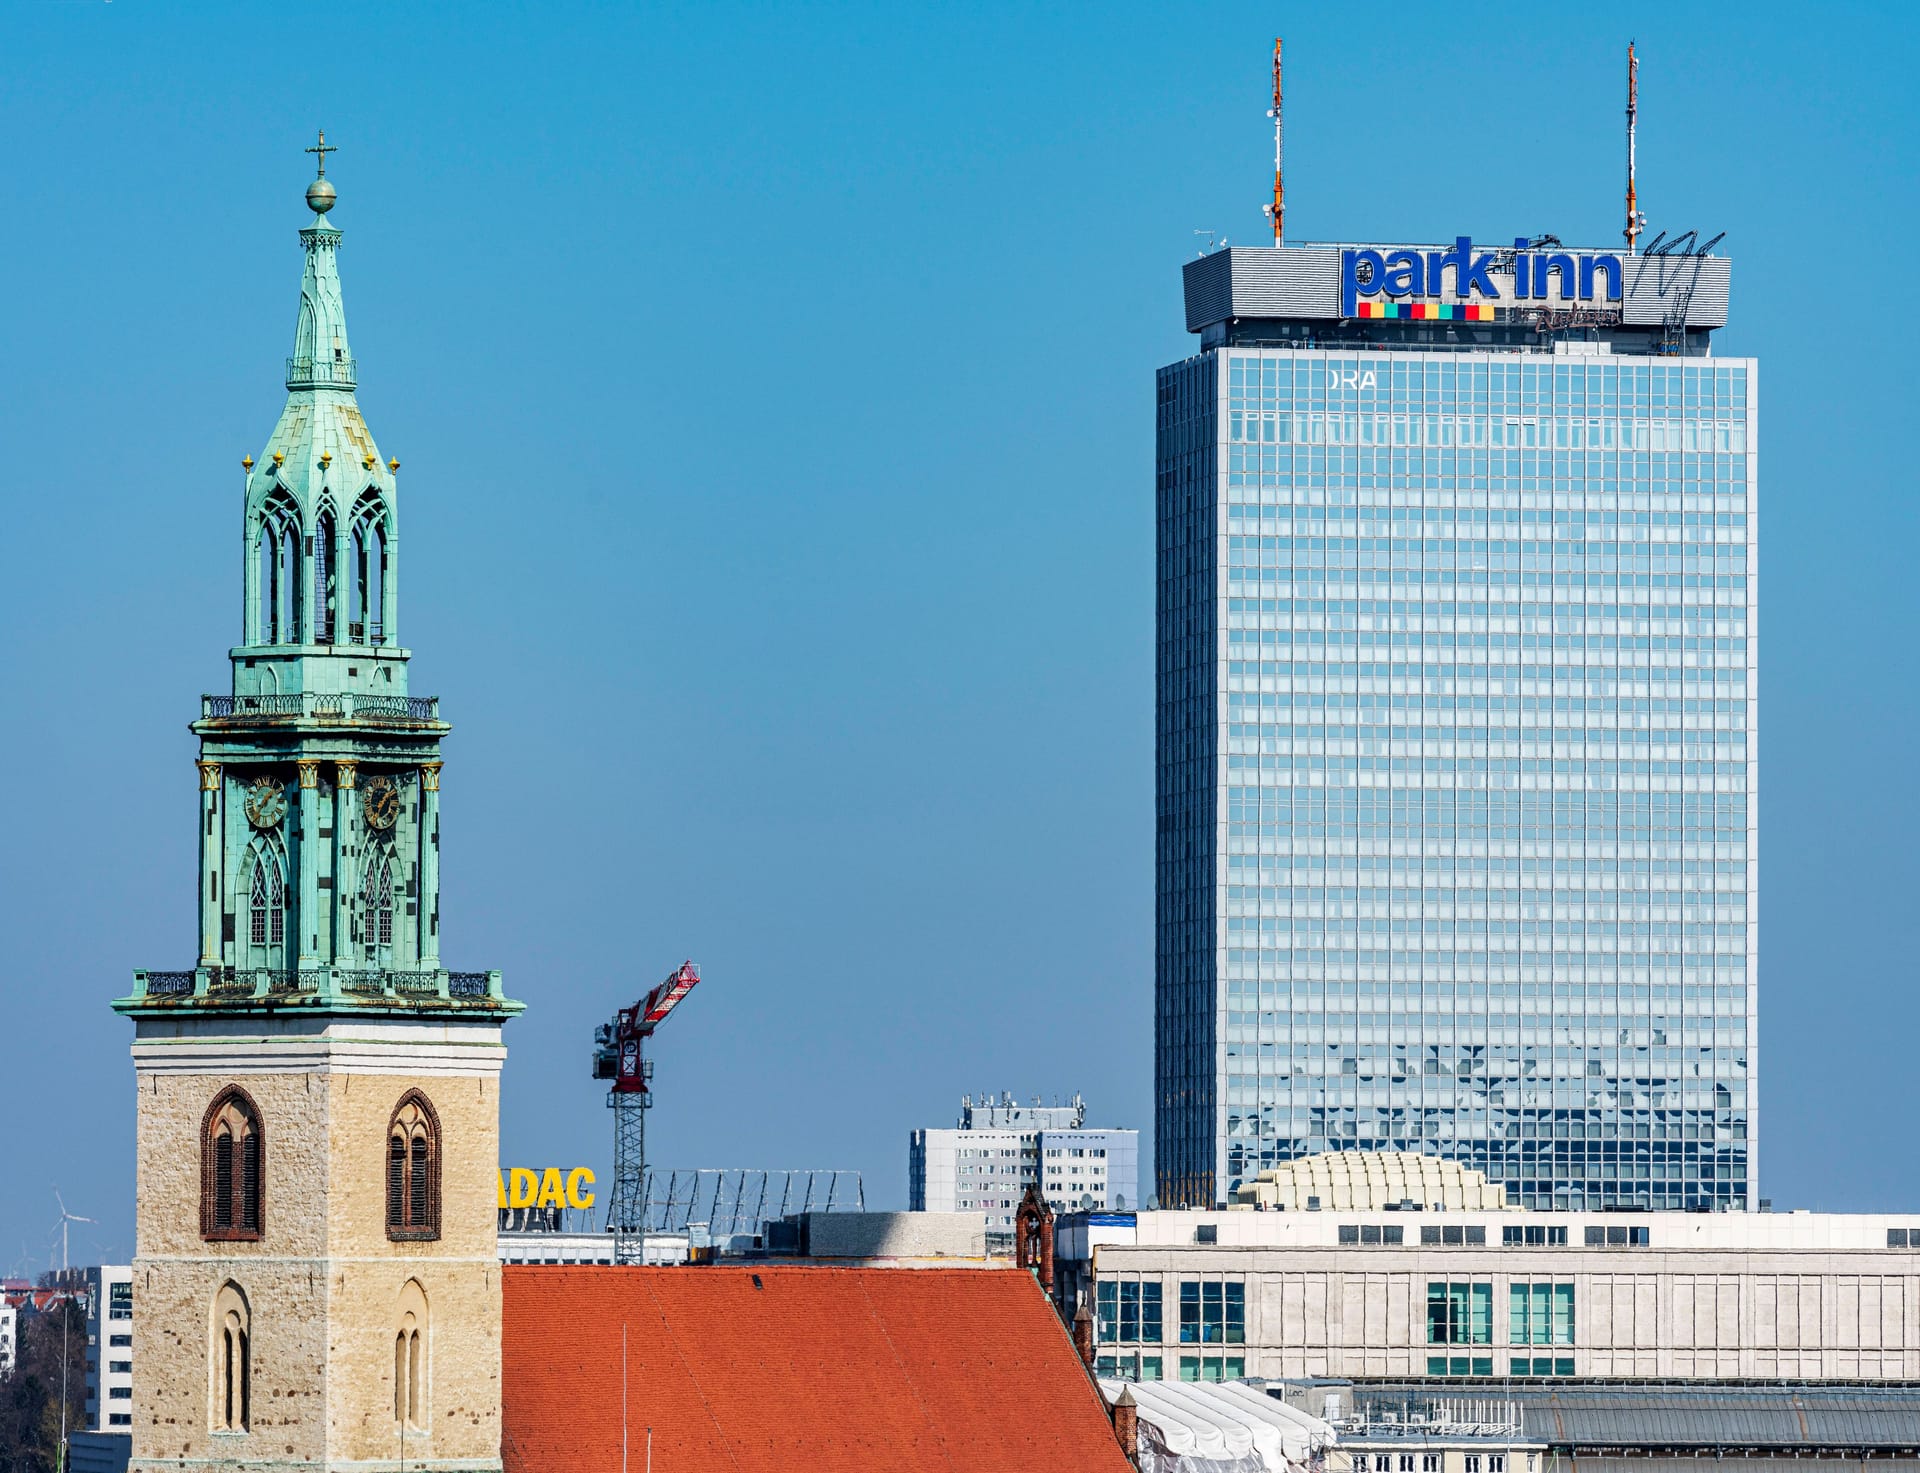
x=230 y=1361
x=376 y=900
x=267 y=568
x=267 y=901
x=413 y=1170
x=232 y=1164
x=323 y=579
x=277 y=570
x=410 y=1358
x=368 y=575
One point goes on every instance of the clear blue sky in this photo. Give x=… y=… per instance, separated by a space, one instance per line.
x=774 y=389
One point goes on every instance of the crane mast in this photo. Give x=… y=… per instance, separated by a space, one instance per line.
x=618 y=1056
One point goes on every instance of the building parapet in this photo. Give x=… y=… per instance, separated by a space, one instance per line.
x=226 y=986
x=314 y=705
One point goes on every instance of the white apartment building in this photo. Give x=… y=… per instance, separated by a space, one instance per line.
x=1000 y=1147
x=103 y=1443
x=9 y=1338
x=110 y=1348
x=1481 y=1295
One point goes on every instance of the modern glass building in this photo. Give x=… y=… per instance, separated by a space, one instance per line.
x=1456 y=750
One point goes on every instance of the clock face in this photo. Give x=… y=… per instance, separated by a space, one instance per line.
x=266 y=802
x=380 y=801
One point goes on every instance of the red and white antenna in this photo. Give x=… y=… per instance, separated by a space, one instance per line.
x=1636 y=222
x=1277 y=211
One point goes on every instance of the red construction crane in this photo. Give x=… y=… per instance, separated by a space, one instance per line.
x=617 y=1056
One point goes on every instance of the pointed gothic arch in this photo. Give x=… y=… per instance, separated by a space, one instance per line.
x=325 y=573
x=411 y=1346
x=413 y=1170
x=230 y=1361
x=263 y=890
x=277 y=556
x=233 y=1160
x=376 y=898
x=372 y=542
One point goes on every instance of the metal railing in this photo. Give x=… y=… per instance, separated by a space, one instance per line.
x=233 y=983
x=321 y=372
x=738 y=1200
x=339 y=706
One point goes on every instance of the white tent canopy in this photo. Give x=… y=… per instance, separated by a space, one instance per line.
x=1226 y=1427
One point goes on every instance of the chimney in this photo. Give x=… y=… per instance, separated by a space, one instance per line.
x=1083 y=1332
x=1126 y=1424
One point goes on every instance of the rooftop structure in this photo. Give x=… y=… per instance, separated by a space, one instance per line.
x=1732 y=1425
x=1007 y=1113
x=766 y=1369
x=1369 y=1181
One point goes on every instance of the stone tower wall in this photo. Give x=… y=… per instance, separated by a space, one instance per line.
x=324 y=1283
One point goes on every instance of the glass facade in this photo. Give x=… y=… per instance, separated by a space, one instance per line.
x=1456 y=769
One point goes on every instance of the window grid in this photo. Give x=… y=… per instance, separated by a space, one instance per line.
x=1485 y=712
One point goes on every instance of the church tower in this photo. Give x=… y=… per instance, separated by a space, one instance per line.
x=318 y=1118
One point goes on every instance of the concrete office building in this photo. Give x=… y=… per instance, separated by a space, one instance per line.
x=1456 y=752
x=1000 y=1147
x=1468 y=1296
x=104 y=1441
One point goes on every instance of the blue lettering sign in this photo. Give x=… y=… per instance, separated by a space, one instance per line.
x=1353 y=266
x=1462 y=273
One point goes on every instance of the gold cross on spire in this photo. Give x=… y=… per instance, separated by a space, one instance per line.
x=323 y=148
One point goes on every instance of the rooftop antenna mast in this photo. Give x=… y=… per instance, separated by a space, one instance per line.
x=1277 y=211
x=1636 y=222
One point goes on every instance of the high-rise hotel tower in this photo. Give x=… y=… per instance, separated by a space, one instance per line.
x=1456 y=749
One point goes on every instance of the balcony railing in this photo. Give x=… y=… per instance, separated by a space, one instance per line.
x=321 y=372
x=343 y=706
x=233 y=984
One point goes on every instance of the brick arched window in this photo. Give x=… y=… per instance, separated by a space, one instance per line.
x=413 y=1170
x=232 y=1168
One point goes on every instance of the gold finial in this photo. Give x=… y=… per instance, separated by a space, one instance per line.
x=366 y=462
x=278 y=457
x=246 y=462
x=326 y=459
x=394 y=464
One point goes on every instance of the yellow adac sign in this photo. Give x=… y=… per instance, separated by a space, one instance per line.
x=522 y=1186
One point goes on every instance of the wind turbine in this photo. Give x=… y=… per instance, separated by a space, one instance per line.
x=66 y=1218
x=66 y=1317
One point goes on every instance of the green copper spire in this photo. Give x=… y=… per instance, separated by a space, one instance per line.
x=319 y=884
x=321 y=476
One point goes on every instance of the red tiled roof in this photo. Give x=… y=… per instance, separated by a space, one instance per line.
x=794 y=1370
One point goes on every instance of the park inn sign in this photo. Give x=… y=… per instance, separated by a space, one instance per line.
x=1533 y=275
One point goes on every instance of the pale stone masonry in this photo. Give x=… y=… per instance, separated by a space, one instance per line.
x=323 y=1281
